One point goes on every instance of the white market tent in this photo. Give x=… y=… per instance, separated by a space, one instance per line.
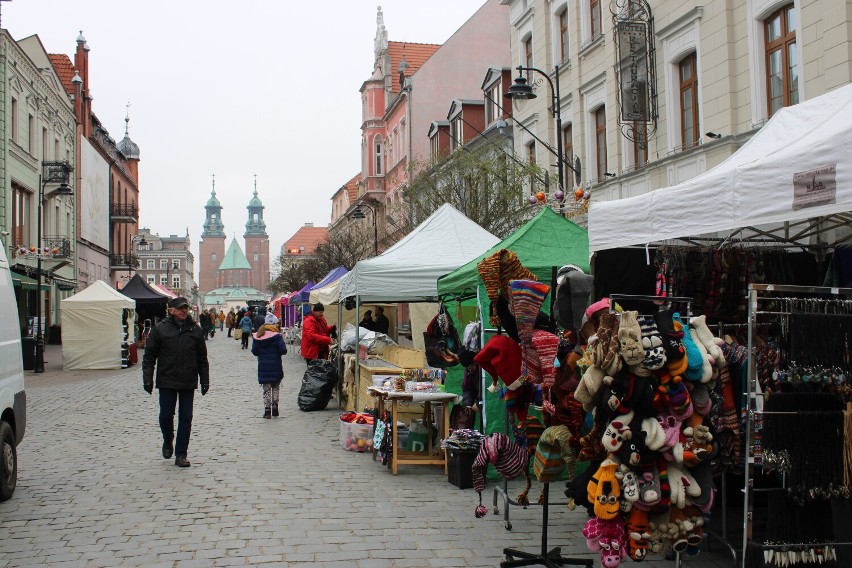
x=409 y=270
x=92 y=327
x=754 y=188
x=327 y=295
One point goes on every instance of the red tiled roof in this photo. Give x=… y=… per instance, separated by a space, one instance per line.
x=308 y=237
x=65 y=70
x=351 y=188
x=415 y=55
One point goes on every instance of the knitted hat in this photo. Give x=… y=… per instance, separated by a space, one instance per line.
x=652 y=343
x=496 y=272
x=700 y=395
x=526 y=299
x=604 y=491
x=519 y=398
x=677 y=366
x=573 y=287
x=500 y=358
x=605 y=347
x=528 y=433
x=552 y=454
x=508 y=458
x=672 y=337
x=538 y=358
x=694 y=358
x=630 y=339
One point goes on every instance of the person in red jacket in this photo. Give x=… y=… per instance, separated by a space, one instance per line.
x=316 y=334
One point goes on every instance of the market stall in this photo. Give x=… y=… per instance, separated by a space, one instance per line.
x=409 y=270
x=97 y=326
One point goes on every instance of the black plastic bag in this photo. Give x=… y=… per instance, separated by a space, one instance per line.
x=317 y=385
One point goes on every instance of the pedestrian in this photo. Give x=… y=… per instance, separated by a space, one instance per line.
x=213 y=322
x=367 y=322
x=205 y=323
x=382 y=323
x=268 y=346
x=176 y=348
x=245 y=327
x=259 y=318
x=316 y=334
x=271 y=319
x=229 y=321
x=221 y=320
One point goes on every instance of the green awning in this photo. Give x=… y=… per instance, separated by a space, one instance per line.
x=26 y=282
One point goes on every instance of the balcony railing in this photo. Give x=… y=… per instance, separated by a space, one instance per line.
x=59 y=247
x=123 y=261
x=124 y=211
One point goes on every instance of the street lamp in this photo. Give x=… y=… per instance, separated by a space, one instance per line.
x=521 y=90
x=51 y=173
x=359 y=214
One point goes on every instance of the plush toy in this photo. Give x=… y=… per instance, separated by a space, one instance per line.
x=613 y=551
x=631 y=450
x=630 y=339
x=649 y=490
x=672 y=338
x=698 y=441
x=603 y=491
x=652 y=343
x=617 y=392
x=672 y=424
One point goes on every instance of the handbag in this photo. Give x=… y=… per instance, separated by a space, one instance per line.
x=238 y=334
x=462 y=418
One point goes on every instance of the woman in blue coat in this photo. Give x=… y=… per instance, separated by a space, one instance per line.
x=245 y=329
x=268 y=346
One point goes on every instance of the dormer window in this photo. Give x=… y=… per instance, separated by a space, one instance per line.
x=493 y=96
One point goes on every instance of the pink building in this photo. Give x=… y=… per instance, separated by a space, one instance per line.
x=411 y=85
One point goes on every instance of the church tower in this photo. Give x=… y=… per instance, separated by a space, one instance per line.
x=211 y=250
x=257 y=243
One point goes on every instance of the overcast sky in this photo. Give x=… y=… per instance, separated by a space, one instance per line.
x=266 y=87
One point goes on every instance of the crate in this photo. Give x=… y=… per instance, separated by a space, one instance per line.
x=459 y=466
x=356 y=437
x=405 y=357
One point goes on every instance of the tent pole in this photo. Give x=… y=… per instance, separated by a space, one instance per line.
x=357 y=351
x=482 y=345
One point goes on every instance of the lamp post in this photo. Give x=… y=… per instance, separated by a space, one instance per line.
x=170 y=265
x=51 y=173
x=130 y=261
x=358 y=214
x=521 y=90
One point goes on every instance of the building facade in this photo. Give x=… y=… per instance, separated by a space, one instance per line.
x=165 y=261
x=655 y=93
x=37 y=128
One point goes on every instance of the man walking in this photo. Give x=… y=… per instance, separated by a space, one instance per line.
x=177 y=348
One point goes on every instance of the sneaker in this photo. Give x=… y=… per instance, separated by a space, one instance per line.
x=167 y=450
x=181 y=461
x=275 y=409
x=267 y=413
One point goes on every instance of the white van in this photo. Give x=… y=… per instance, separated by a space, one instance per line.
x=13 y=398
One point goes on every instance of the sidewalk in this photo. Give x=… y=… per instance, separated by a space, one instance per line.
x=93 y=489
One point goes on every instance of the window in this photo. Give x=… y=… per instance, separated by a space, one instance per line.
x=44 y=147
x=31 y=141
x=528 y=54
x=403 y=149
x=532 y=162
x=213 y=256
x=176 y=263
x=435 y=150
x=56 y=149
x=782 y=76
x=256 y=257
x=378 y=155
x=175 y=282
x=568 y=153
x=595 y=12
x=164 y=280
x=457 y=131
x=151 y=279
x=492 y=105
x=15 y=120
x=563 y=35
x=688 y=102
x=396 y=152
x=20 y=215
x=600 y=141
x=152 y=264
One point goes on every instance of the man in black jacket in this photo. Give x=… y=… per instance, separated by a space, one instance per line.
x=177 y=348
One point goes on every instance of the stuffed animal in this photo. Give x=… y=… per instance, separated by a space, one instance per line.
x=613 y=551
x=608 y=538
x=671 y=424
x=649 y=490
x=652 y=344
x=638 y=535
x=630 y=339
x=603 y=491
x=698 y=441
x=631 y=450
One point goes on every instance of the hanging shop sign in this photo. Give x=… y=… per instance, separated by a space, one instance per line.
x=636 y=93
x=815 y=187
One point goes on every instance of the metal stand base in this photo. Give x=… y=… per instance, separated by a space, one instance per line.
x=550 y=558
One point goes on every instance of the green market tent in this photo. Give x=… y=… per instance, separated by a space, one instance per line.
x=545 y=241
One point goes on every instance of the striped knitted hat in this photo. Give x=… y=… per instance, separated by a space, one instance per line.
x=508 y=458
x=553 y=454
x=539 y=357
x=497 y=270
x=527 y=296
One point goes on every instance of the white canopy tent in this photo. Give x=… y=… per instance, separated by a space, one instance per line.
x=409 y=270
x=796 y=171
x=92 y=327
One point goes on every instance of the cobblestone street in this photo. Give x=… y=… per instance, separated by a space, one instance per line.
x=93 y=489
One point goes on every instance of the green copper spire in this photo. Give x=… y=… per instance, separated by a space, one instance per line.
x=255 y=226
x=213 y=226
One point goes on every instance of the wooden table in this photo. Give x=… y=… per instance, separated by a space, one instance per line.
x=427 y=457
